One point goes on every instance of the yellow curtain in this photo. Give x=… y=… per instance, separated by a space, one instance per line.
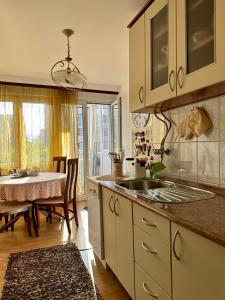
x=36 y=124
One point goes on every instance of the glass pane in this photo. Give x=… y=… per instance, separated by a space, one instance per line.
x=115 y=120
x=159 y=50
x=99 y=139
x=200 y=34
x=7 y=145
x=35 y=117
x=80 y=137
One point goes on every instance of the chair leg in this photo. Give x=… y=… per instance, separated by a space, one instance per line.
x=12 y=225
x=66 y=213
x=34 y=219
x=28 y=217
x=6 y=221
x=75 y=213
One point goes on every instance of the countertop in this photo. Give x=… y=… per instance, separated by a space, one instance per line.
x=205 y=217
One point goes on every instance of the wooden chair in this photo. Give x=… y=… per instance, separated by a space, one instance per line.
x=59 y=164
x=69 y=197
x=12 y=211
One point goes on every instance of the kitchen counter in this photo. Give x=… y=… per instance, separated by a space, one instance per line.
x=205 y=217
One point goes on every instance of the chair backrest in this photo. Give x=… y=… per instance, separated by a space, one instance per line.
x=59 y=164
x=71 y=180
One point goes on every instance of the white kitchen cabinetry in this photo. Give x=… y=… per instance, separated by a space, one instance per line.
x=95 y=227
x=160 y=41
x=198 y=266
x=184 y=49
x=152 y=253
x=200 y=44
x=137 y=65
x=118 y=237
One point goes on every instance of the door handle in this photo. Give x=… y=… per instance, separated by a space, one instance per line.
x=180 y=83
x=116 y=211
x=174 y=244
x=172 y=87
x=144 y=221
x=140 y=94
x=145 y=288
x=148 y=249
x=110 y=207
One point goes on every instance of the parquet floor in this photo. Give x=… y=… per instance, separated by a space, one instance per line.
x=55 y=234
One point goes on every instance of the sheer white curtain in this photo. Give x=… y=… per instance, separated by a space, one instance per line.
x=99 y=144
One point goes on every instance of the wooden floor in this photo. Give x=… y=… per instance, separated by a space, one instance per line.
x=55 y=234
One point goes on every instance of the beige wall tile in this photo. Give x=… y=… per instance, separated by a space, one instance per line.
x=208 y=162
x=157 y=130
x=222 y=163
x=222 y=118
x=171 y=161
x=173 y=115
x=211 y=107
x=183 y=113
x=188 y=160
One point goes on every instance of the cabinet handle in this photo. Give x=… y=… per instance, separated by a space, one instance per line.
x=172 y=73
x=144 y=221
x=148 y=249
x=139 y=94
x=145 y=288
x=110 y=207
x=90 y=190
x=180 y=83
x=174 y=244
x=116 y=211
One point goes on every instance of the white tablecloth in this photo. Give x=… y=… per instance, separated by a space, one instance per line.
x=43 y=186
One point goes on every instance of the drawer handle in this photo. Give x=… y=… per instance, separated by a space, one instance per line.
x=145 y=288
x=148 y=249
x=140 y=94
x=116 y=204
x=174 y=245
x=180 y=82
x=110 y=207
x=144 y=221
x=172 y=87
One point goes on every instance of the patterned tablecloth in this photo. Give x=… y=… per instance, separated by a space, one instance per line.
x=43 y=186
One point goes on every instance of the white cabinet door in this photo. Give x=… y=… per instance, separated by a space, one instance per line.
x=198 y=267
x=124 y=236
x=109 y=229
x=137 y=65
x=160 y=41
x=200 y=44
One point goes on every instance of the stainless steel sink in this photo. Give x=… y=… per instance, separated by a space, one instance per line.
x=139 y=184
x=163 y=191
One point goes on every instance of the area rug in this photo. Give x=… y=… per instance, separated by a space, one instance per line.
x=55 y=273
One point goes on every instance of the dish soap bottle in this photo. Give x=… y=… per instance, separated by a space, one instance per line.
x=153 y=173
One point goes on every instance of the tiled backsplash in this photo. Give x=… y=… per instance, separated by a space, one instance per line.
x=200 y=159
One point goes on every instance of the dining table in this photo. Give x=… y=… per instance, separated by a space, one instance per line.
x=30 y=188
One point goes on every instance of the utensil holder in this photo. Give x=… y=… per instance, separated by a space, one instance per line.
x=117 y=169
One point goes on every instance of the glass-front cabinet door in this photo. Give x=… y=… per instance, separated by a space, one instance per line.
x=200 y=44
x=160 y=30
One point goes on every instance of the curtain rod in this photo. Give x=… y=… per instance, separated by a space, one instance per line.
x=57 y=87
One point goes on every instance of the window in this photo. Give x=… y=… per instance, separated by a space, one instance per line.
x=35 y=118
x=6 y=135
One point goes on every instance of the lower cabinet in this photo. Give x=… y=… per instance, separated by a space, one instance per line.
x=118 y=237
x=146 y=288
x=198 y=266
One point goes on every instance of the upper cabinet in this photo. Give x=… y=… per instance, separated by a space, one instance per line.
x=200 y=44
x=160 y=37
x=184 y=43
x=137 y=65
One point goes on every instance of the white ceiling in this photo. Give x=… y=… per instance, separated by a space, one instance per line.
x=31 y=38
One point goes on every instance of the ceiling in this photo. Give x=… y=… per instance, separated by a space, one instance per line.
x=32 y=39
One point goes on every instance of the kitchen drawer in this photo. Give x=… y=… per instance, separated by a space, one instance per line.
x=93 y=189
x=153 y=257
x=146 y=288
x=153 y=224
